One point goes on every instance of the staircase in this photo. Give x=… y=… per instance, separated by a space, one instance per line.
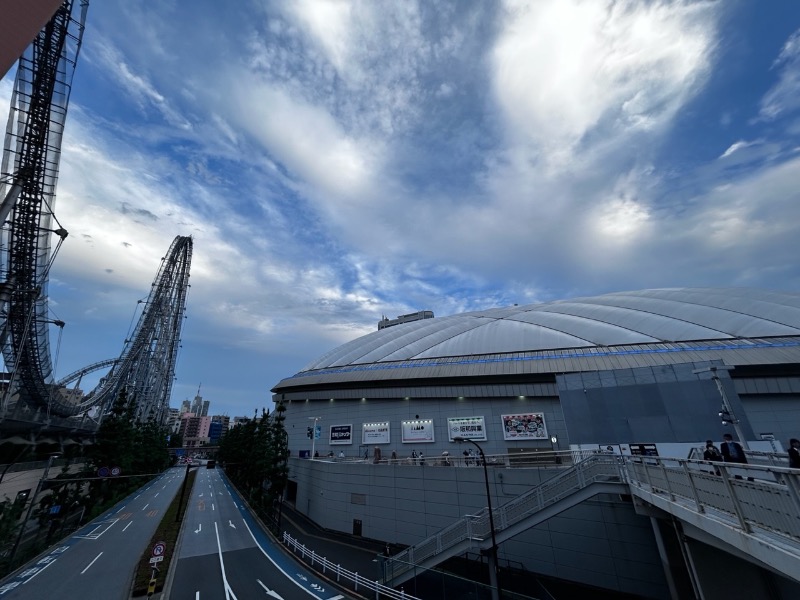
x=751 y=510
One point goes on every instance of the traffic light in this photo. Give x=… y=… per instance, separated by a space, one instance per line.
x=309 y=432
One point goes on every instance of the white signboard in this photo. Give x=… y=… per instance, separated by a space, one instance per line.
x=527 y=426
x=469 y=428
x=419 y=431
x=375 y=433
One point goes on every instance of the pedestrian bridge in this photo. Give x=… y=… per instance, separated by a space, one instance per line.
x=752 y=511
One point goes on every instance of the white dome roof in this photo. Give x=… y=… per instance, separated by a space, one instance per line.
x=647 y=316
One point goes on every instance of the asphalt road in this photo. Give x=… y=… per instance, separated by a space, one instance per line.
x=224 y=554
x=98 y=560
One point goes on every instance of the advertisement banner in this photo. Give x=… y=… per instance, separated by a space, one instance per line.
x=469 y=428
x=341 y=434
x=418 y=431
x=529 y=426
x=375 y=433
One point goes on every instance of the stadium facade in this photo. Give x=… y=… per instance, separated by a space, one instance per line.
x=626 y=372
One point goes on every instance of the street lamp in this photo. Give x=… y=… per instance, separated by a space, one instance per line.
x=726 y=412
x=39 y=487
x=494 y=571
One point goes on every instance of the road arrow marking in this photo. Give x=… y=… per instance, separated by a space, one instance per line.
x=270 y=592
x=199 y=528
x=231 y=524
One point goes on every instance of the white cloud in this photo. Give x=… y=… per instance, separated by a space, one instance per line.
x=784 y=96
x=564 y=69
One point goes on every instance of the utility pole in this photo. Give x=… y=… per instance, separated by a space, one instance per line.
x=314 y=435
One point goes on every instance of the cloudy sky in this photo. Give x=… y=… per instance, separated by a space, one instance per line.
x=338 y=161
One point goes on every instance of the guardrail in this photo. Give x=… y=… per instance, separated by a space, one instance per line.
x=335 y=571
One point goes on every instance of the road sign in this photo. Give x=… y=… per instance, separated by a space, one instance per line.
x=103 y=472
x=156 y=559
x=317 y=432
x=159 y=549
x=115 y=471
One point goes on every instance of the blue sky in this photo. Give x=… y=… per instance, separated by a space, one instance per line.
x=340 y=161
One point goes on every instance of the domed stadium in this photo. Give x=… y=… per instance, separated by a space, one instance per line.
x=636 y=372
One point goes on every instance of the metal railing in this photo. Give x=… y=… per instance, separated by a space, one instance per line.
x=753 y=495
x=338 y=573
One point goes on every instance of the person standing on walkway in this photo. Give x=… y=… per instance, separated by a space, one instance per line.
x=413 y=457
x=794 y=453
x=712 y=454
x=421 y=459
x=732 y=452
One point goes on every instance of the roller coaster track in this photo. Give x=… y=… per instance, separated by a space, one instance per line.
x=146 y=367
x=31 y=157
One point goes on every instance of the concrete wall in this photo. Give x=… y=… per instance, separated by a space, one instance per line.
x=602 y=542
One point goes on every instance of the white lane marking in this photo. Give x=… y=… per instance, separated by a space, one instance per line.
x=199 y=528
x=212 y=506
x=37 y=572
x=137 y=496
x=270 y=592
x=91 y=563
x=285 y=574
x=165 y=485
x=339 y=597
x=120 y=509
x=200 y=496
x=128 y=525
x=197 y=595
x=212 y=494
x=145 y=506
x=231 y=524
x=157 y=493
x=228 y=591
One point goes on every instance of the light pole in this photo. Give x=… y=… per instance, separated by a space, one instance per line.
x=30 y=507
x=726 y=413
x=314 y=435
x=494 y=571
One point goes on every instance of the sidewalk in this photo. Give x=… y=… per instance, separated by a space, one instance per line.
x=353 y=553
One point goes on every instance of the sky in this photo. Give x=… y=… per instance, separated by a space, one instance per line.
x=339 y=161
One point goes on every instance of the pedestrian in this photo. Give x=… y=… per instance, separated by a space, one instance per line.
x=421 y=459
x=794 y=453
x=712 y=454
x=413 y=457
x=732 y=452
x=316 y=453
x=341 y=454
x=446 y=458
x=394 y=456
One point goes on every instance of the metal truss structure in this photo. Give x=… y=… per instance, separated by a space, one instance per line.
x=31 y=156
x=146 y=368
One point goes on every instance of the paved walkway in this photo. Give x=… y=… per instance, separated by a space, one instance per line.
x=351 y=552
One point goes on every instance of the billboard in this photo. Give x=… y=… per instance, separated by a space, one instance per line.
x=419 y=431
x=528 y=426
x=375 y=433
x=341 y=434
x=469 y=428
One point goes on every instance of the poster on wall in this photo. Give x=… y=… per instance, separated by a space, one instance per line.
x=375 y=433
x=469 y=428
x=528 y=426
x=341 y=434
x=417 y=431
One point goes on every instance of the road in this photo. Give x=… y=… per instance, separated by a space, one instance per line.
x=224 y=554
x=98 y=560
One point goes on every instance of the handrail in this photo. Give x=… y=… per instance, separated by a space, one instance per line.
x=717 y=486
x=592 y=469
